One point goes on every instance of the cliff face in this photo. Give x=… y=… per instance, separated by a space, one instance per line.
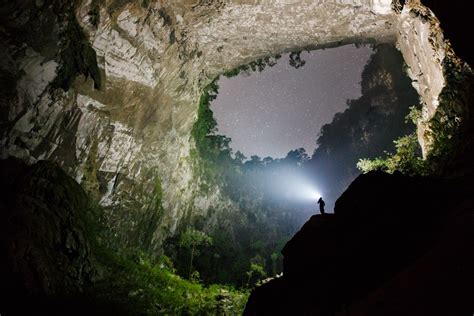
x=122 y=127
x=369 y=125
x=385 y=251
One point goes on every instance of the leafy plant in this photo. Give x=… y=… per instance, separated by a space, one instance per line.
x=407 y=157
x=259 y=65
x=193 y=238
x=255 y=274
x=135 y=285
x=452 y=120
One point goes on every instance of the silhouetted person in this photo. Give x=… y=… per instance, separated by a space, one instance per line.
x=321 y=205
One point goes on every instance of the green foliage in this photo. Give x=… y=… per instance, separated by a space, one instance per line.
x=406 y=159
x=446 y=129
x=414 y=115
x=213 y=152
x=274 y=257
x=192 y=239
x=264 y=220
x=259 y=225
x=205 y=123
x=158 y=195
x=137 y=286
x=258 y=65
x=76 y=57
x=369 y=125
x=451 y=123
x=366 y=165
x=133 y=283
x=255 y=274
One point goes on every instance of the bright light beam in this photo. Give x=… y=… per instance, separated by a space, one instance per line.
x=307 y=192
x=299 y=188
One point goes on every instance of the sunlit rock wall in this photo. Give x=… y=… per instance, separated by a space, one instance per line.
x=422 y=44
x=129 y=143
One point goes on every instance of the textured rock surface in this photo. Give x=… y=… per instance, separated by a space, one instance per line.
x=44 y=249
x=385 y=251
x=132 y=136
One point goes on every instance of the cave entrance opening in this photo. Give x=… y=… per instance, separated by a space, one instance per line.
x=272 y=197
x=323 y=108
x=284 y=105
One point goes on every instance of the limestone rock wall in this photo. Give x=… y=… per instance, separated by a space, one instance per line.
x=129 y=142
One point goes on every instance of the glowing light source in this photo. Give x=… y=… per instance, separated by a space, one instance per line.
x=303 y=190
x=294 y=186
x=317 y=195
x=307 y=192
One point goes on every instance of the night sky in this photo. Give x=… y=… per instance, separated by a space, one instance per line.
x=283 y=108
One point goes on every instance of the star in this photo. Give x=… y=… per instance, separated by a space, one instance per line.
x=283 y=108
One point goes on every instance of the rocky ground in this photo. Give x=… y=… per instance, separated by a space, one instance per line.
x=396 y=245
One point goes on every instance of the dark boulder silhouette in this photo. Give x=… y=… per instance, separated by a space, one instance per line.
x=396 y=245
x=45 y=253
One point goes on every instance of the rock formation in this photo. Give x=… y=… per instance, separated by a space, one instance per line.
x=44 y=247
x=109 y=89
x=385 y=251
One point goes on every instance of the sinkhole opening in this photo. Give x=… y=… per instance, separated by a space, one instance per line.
x=274 y=136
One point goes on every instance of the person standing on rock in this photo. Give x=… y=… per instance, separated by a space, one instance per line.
x=321 y=205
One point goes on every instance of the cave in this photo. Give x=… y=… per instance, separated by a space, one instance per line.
x=99 y=105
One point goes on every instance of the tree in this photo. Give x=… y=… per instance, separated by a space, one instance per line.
x=297 y=156
x=267 y=160
x=256 y=272
x=274 y=258
x=254 y=162
x=193 y=238
x=240 y=157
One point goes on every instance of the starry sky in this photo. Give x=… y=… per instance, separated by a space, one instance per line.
x=283 y=108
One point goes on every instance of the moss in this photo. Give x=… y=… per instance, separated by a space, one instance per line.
x=452 y=121
x=158 y=194
x=90 y=181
